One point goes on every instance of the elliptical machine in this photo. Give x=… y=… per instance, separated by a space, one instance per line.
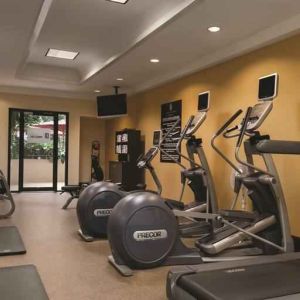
x=97 y=201
x=5 y=195
x=194 y=176
x=143 y=233
x=11 y=242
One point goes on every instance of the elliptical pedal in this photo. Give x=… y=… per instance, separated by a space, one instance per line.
x=195 y=229
x=222 y=233
x=231 y=240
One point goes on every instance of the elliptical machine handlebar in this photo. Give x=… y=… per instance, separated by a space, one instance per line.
x=184 y=131
x=218 y=133
x=229 y=121
x=164 y=138
x=244 y=127
x=182 y=137
x=243 y=132
x=168 y=133
x=227 y=134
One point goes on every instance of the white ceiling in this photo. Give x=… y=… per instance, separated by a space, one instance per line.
x=116 y=40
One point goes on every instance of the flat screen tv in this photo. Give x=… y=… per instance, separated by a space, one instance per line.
x=112 y=106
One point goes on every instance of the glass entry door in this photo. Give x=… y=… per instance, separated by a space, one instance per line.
x=38 y=142
x=38 y=150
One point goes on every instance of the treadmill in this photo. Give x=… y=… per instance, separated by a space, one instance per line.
x=265 y=277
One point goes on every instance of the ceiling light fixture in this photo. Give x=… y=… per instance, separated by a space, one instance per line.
x=120 y=79
x=154 y=60
x=214 y=29
x=62 y=54
x=97 y=91
x=119 y=1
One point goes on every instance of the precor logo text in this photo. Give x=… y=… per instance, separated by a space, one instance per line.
x=150 y=235
x=102 y=212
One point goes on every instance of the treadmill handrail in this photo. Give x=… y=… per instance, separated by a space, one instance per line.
x=278 y=147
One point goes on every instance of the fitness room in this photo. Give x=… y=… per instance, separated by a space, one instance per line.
x=149 y=149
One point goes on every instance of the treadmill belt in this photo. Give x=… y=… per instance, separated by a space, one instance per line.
x=11 y=242
x=21 y=283
x=253 y=282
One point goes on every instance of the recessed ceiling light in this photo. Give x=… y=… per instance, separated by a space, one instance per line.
x=97 y=91
x=119 y=1
x=214 y=29
x=120 y=79
x=154 y=60
x=62 y=54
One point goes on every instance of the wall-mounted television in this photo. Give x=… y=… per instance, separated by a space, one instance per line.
x=112 y=106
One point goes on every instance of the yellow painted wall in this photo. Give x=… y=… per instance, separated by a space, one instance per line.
x=76 y=109
x=233 y=85
x=91 y=129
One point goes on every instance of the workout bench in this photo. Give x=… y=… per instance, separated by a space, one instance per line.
x=75 y=190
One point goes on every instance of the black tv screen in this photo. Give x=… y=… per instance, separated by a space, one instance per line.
x=112 y=105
